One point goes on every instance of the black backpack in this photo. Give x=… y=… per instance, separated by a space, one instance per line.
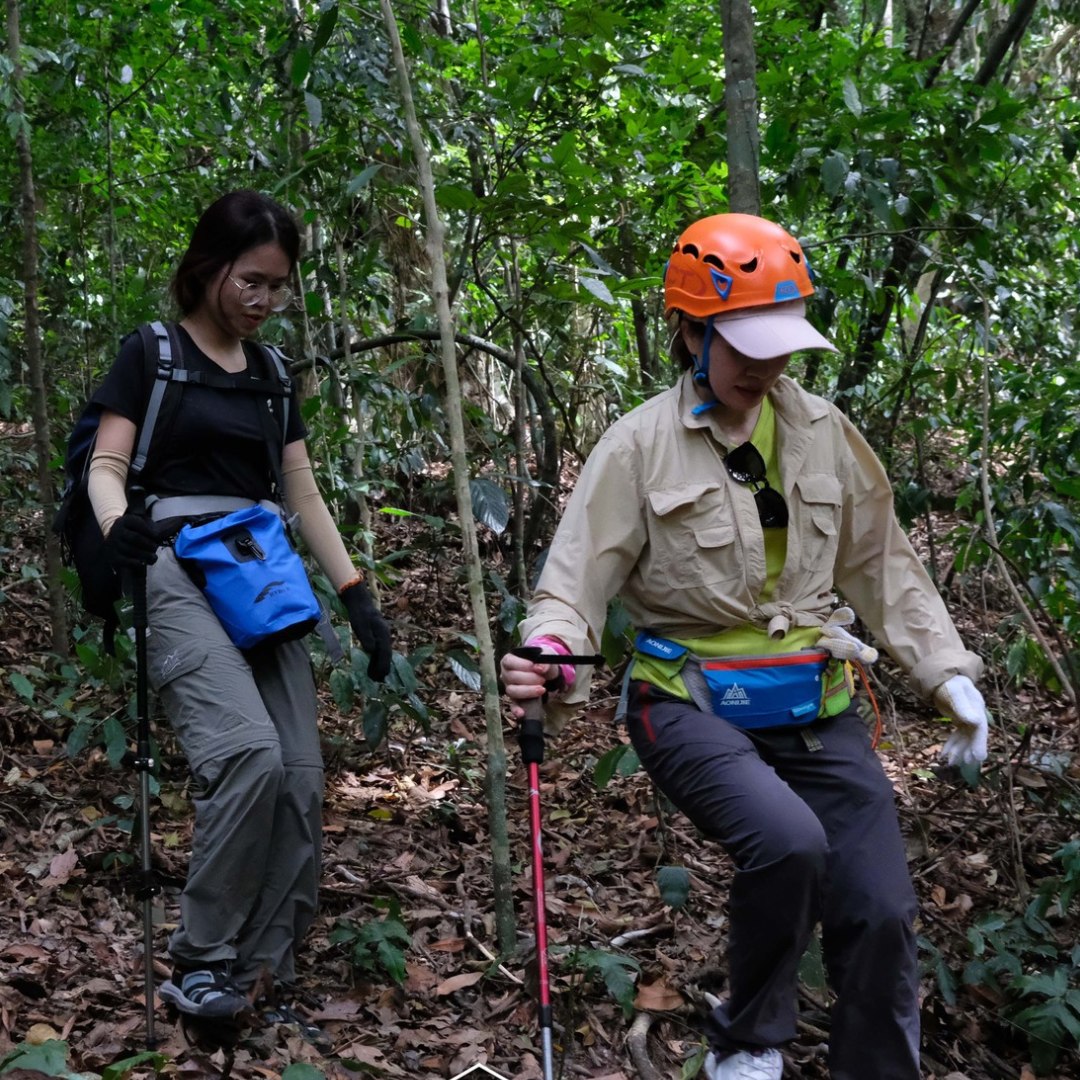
x=80 y=535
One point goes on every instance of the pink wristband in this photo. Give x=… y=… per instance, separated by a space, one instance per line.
x=553 y=644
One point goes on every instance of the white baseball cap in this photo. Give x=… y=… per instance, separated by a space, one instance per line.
x=774 y=330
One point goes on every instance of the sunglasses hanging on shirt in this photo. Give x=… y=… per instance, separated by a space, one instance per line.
x=746 y=466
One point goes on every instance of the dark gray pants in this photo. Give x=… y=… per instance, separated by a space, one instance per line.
x=247 y=723
x=815 y=838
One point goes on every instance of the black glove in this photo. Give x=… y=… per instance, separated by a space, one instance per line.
x=132 y=542
x=370 y=628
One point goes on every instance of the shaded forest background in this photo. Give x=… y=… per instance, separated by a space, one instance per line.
x=924 y=153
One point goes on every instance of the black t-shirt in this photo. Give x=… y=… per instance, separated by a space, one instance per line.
x=213 y=443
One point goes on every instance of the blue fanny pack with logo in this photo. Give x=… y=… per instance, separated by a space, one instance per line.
x=251 y=575
x=750 y=692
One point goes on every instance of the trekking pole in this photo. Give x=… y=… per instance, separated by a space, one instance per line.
x=142 y=761
x=531 y=741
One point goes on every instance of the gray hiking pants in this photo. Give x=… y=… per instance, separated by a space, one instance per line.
x=809 y=819
x=247 y=723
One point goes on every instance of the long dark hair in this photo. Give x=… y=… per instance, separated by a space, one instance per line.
x=231 y=225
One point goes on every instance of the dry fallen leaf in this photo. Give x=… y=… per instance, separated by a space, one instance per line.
x=657 y=997
x=41 y=1033
x=458 y=982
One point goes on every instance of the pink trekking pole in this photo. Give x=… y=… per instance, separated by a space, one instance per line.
x=531 y=740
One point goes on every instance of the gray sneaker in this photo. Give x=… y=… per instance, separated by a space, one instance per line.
x=206 y=992
x=745 y=1065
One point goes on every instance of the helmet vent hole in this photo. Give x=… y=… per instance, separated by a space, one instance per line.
x=749 y=267
x=691 y=250
x=796 y=256
x=714 y=260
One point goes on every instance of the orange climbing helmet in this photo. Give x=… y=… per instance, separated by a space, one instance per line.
x=746 y=278
x=731 y=261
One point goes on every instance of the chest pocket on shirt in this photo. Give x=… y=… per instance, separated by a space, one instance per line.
x=693 y=539
x=822 y=496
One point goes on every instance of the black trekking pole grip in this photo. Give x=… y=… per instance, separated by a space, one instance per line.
x=531 y=732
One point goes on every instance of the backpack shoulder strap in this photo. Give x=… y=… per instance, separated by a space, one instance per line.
x=280 y=372
x=163 y=355
x=278 y=386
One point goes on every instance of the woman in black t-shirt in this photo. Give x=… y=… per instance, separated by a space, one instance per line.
x=246 y=719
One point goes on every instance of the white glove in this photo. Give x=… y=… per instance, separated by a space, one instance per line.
x=836 y=641
x=963 y=704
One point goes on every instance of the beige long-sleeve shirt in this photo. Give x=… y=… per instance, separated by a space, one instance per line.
x=656 y=519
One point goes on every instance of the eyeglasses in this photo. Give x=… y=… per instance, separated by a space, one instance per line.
x=747 y=466
x=252 y=294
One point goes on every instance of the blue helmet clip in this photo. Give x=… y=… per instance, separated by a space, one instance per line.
x=721 y=282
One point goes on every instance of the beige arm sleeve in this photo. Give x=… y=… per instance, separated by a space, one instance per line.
x=106 y=485
x=317 y=527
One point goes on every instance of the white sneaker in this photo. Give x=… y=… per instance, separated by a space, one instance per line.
x=745 y=1065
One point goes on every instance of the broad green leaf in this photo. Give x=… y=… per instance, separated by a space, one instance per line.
x=116 y=742
x=455 y=197
x=812 y=967
x=851 y=98
x=301 y=1070
x=674 y=885
x=301 y=65
x=604 y=769
x=602 y=265
x=341 y=689
x=362 y=179
x=464 y=667
x=490 y=505
x=375 y=721
x=21 y=685
x=616 y=970
x=50 y=1058
x=120 y=1070
x=327 y=22
x=834 y=169
x=597 y=288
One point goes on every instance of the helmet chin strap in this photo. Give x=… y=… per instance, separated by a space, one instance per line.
x=701 y=371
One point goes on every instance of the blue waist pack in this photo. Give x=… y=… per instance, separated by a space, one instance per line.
x=252 y=577
x=782 y=690
x=766 y=691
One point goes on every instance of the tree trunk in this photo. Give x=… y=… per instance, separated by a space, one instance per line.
x=34 y=362
x=1010 y=35
x=496 y=771
x=740 y=102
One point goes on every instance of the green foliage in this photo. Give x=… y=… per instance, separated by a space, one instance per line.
x=617 y=972
x=934 y=963
x=621 y=759
x=376 y=947
x=50 y=1058
x=401 y=694
x=674 y=885
x=571 y=142
x=301 y=1070
x=1033 y=967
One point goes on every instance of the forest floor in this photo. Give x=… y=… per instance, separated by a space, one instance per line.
x=407 y=883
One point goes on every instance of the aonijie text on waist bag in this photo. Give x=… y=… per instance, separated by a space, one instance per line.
x=251 y=575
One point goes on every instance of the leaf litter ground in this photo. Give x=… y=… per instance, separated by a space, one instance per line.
x=406 y=839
